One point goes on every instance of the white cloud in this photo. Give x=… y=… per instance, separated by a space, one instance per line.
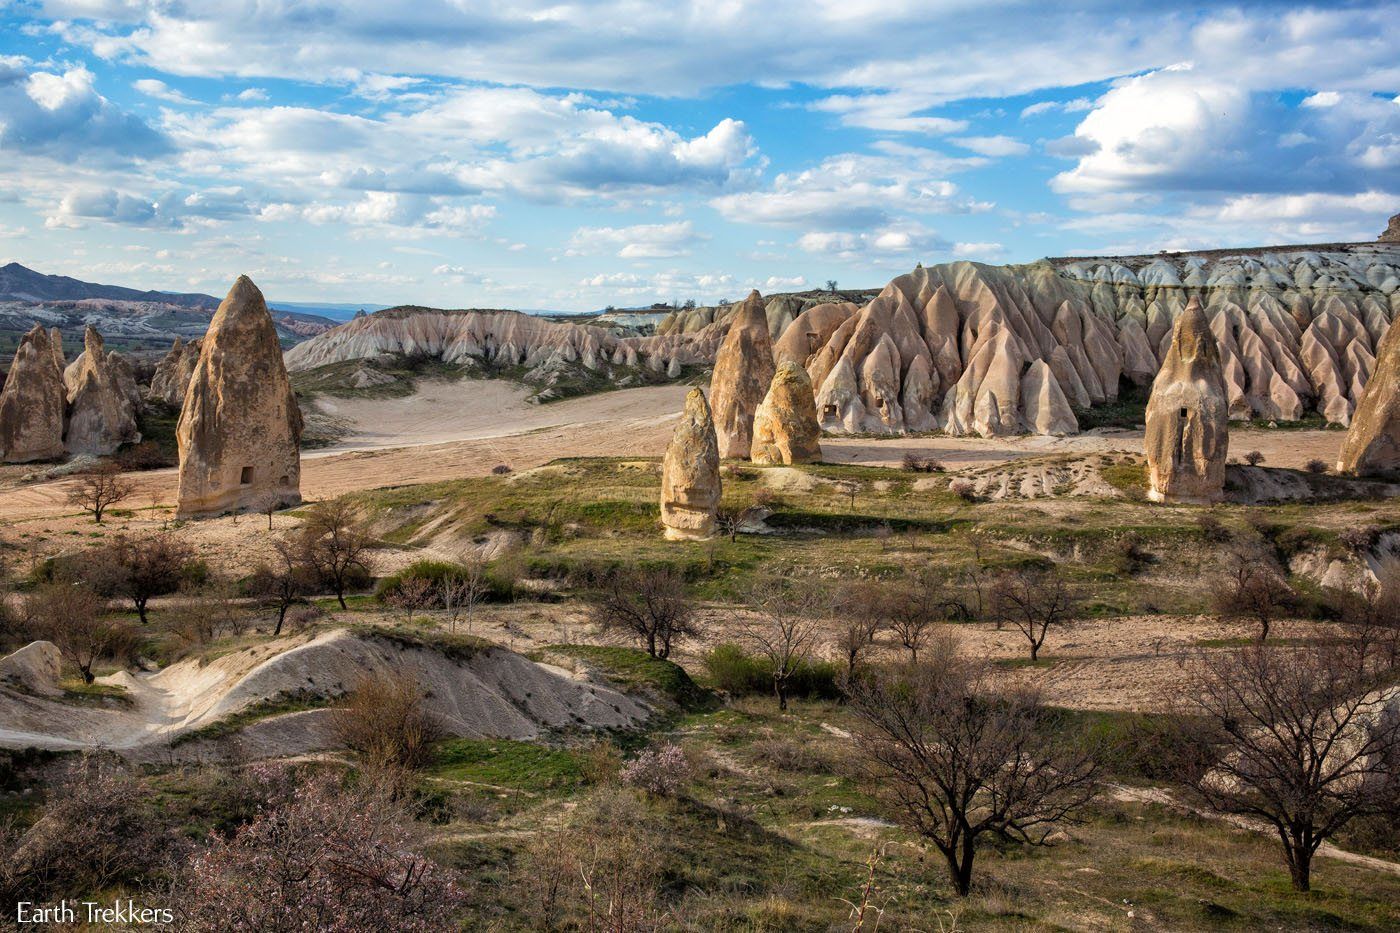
x=903 y=242
x=993 y=146
x=642 y=241
x=60 y=115
x=152 y=87
x=1077 y=105
x=850 y=191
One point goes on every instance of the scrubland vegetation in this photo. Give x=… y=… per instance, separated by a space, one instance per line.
x=828 y=748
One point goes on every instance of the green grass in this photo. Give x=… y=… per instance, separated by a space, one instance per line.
x=503 y=764
x=263 y=709
x=632 y=669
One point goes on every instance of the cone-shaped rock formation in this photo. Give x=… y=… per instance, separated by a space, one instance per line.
x=1188 y=416
x=173 y=373
x=32 y=403
x=101 y=410
x=690 y=486
x=743 y=372
x=1372 y=443
x=785 y=428
x=240 y=428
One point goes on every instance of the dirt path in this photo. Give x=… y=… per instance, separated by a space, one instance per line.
x=1164 y=797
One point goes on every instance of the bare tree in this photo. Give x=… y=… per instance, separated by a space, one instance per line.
x=651 y=606
x=268 y=504
x=284 y=581
x=979 y=542
x=210 y=611
x=464 y=589
x=100 y=489
x=1251 y=589
x=71 y=616
x=960 y=764
x=861 y=610
x=336 y=545
x=140 y=568
x=411 y=594
x=1035 y=601
x=915 y=607
x=782 y=627
x=1305 y=741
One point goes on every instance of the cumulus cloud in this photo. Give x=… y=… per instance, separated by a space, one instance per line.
x=60 y=115
x=851 y=191
x=993 y=146
x=153 y=87
x=902 y=242
x=642 y=241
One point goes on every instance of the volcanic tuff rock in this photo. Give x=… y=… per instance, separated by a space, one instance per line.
x=546 y=350
x=32 y=402
x=1392 y=231
x=1372 y=444
x=1187 y=416
x=173 y=373
x=240 y=427
x=1296 y=329
x=743 y=371
x=101 y=407
x=690 y=485
x=785 y=428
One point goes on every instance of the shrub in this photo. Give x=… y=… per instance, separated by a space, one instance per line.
x=146 y=455
x=1254 y=458
x=1316 y=467
x=1357 y=540
x=1129 y=555
x=383 y=719
x=661 y=772
x=1212 y=530
x=500 y=469
x=336 y=859
x=499 y=586
x=963 y=489
x=739 y=673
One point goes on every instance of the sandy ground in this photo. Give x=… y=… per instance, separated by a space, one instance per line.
x=455 y=429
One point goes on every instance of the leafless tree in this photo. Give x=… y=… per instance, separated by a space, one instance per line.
x=285 y=580
x=268 y=504
x=210 y=611
x=960 y=764
x=860 y=607
x=1305 y=742
x=71 y=615
x=100 y=489
x=652 y=606
x=1251 y=589
x=916 y=606
x=979 y=542
x=1035 y=600
x=411 y=594
x=465 y=589
x=140 y=568
x=336 y=545
x=782 y=627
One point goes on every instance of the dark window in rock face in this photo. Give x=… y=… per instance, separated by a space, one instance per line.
x=284 y=480
x=830 y=411
x=1183 y=413
x=245 y=477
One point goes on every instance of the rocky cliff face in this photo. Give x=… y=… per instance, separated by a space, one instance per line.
x=542 y=353
x=102 y=400
x=975 y=349
x=173 y=373
x=32 y=402
x=1372 y=443
x=240 y=428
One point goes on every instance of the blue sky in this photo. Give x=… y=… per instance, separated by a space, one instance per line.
x=573 y=155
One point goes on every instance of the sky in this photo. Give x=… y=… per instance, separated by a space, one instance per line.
x=570 y=156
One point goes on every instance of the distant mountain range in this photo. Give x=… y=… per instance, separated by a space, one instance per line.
x=133 y=320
